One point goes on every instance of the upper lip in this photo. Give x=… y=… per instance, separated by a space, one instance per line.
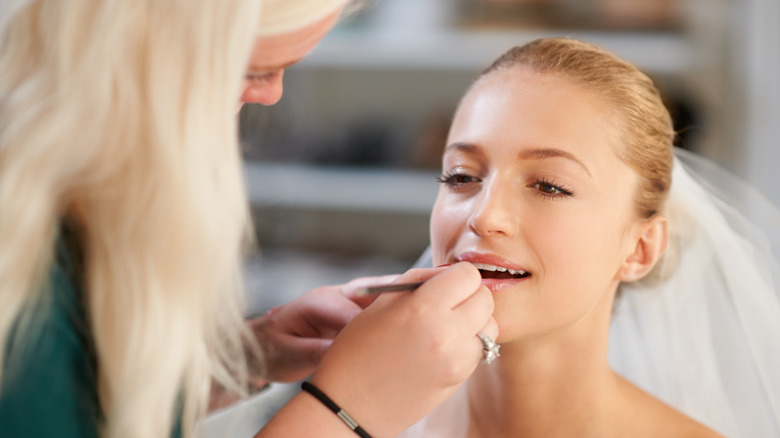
x=499 y=262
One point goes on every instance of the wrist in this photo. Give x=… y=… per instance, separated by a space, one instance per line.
x=305 y=416
x=335 y=408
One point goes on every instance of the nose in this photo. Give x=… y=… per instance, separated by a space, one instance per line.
x=493 y=212
x=265 y=90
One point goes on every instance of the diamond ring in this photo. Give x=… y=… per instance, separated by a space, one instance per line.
x=489 y=349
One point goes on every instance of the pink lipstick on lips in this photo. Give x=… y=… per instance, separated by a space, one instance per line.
x=497 y=272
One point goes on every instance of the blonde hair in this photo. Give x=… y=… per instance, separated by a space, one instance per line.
x=646 y=143
x=121 y=116
x=280 y=16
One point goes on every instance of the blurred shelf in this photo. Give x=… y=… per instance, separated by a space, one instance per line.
x=472 y=50
x=341 y=188
x=356 y=212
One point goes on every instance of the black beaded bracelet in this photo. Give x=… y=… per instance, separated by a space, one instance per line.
x=341 y=413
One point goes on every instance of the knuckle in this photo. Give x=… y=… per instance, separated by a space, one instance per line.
x=456 y=357
x=450 y=374
x=417 y=312
x=455 y=371
x=439 y=342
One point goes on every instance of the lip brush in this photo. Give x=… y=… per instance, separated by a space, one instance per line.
x=395 y=287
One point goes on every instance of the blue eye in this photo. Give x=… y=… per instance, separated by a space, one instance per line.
x=548 y=189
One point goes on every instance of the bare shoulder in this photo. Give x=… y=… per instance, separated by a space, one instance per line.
x=649 y=416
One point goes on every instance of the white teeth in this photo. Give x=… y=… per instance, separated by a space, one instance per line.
x=486 y=267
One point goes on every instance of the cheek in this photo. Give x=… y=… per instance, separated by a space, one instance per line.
x=580 y=250
x=447 y=224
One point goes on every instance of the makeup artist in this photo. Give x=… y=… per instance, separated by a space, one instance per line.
x=123 y=220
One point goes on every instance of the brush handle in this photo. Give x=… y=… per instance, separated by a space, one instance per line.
x=394 y=287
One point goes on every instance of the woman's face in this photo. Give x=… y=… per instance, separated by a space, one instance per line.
x=533 y=190
x=272 y=54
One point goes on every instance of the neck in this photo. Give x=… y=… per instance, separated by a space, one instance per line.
x=557 y=384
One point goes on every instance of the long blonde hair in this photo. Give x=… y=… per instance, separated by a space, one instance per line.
x=121 y=116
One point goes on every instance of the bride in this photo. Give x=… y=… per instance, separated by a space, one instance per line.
x=627 y=303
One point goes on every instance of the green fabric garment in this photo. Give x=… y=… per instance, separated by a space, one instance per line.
x=52 y=390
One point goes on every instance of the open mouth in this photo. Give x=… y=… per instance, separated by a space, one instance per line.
x=500 y=272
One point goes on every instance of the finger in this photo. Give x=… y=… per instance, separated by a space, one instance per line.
x=489 y=349
x=476 y=349
x=476 y=311
x=419 y=274
x=363 y=301
x=491 y=329
x=452 y=286
x=329 y=316
x=350 y=289
x=411 y=276
x=311 y=350
x=299 y=358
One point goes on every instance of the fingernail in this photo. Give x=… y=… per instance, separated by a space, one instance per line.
x=444 y=265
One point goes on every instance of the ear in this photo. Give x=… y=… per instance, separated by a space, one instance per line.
x=650 y=246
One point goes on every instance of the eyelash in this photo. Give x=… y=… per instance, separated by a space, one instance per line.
x=262 y=76
x=560 y=191
x=455 y=180
x=451 y=179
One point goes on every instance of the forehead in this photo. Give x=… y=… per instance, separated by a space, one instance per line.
x=272 y=52
x=518 y=106
x=510 y=113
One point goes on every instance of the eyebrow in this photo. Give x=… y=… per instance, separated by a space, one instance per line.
x=255 y=69
x=526 y=154
x=545 y=153
x=464 y=147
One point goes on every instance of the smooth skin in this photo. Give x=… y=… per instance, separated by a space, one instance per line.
x=532 y=182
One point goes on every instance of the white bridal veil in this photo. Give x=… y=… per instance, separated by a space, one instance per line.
x=702 y=332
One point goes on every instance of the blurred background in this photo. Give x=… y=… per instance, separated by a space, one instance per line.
x=341 y=171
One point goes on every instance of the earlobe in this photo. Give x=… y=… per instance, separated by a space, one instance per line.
x=650 y=246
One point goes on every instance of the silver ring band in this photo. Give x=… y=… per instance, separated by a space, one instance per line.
x=489 y=349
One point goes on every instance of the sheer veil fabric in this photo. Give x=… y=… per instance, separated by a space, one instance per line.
x=702 y=332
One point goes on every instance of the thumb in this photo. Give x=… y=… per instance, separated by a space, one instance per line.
x=329 y=317
x=350 y=289
x=311 y=350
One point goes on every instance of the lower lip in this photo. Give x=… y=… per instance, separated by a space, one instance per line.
x=498 y=284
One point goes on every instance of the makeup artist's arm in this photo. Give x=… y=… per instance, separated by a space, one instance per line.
x=295 y=336
x=398 y=359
